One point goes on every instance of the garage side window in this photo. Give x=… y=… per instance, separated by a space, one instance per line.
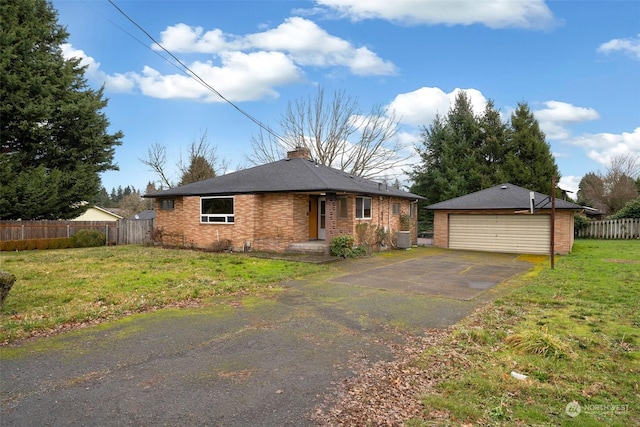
x=363 y=207
x=216 y=210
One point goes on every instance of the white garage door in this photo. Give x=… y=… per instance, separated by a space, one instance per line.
x=500 y=233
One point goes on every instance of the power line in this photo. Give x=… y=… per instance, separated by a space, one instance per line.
x=193 y=74
x=129 y=34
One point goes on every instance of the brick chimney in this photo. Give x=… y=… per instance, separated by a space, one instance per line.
x=299 y=153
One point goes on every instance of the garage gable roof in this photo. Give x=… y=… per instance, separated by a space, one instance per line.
x=287 y=175
x=503 y=196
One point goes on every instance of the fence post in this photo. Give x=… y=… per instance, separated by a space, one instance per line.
x=106 y=234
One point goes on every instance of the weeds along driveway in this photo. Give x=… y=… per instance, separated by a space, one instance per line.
x=259 y=361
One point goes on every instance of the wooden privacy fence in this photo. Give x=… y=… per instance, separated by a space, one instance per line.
x=122 y=232
x=625 y=228
x=135 y=231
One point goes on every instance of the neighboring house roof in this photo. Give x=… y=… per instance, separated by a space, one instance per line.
x=96 y=213
x=287 y=175
x=589 y=211
x=503 y=196
x=146 y=214
x=116 y=211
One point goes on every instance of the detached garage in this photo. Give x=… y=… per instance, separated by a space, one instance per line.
x=498 y=219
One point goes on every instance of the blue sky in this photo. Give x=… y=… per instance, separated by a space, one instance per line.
x=576 y=63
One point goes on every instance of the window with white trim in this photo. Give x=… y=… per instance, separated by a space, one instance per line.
x=216 y=210
x=363 y=207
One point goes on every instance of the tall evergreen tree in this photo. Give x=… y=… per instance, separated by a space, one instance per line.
x=113 y=196
x=492 y=150
x=199 y=169
x=464 y=153
x=54 y=139
x=461 y=153
x=447 y=152
x=528 y=159
x=102 y=199
x=119 y=194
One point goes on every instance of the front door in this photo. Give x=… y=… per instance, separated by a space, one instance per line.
x=322 y=212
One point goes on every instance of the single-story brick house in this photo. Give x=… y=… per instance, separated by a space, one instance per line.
x=498 y=219
x=273 y=206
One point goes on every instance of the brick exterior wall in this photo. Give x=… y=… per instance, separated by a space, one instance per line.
x=441 y=229
x=563 y=228
x=563 y=231
x=269 y=222
x=381 y=216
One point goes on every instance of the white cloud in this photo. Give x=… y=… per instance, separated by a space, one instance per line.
x=570 y=183
x=492 y=13
x=420 y=107
x=554 y=119
x=115 y=83
x=602 y=147
x=246 y=68
x=242 y=77
x=182 y=38
x=562 y=112
x=119 y=82
x=629 y=46
x=301 y=39
x=408 y=139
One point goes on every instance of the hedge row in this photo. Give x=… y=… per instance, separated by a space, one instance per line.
x=27 y=245
x=81 y=239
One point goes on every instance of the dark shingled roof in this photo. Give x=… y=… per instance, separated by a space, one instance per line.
x=503 y=196
x=146 y=214
x=284 y=176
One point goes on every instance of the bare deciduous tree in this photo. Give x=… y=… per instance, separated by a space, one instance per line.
x=336 y=134
x=610 y=191
x=157 y=160
x=132 y=204
x=202 y=162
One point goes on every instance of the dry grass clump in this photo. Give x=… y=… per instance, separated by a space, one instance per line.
x=539 y=342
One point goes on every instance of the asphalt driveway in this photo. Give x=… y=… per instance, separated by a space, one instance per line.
x=260 y=361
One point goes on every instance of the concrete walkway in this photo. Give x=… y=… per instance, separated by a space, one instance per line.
x=244 y=361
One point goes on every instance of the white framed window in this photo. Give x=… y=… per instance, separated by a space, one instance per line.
x=216 y=210
x=363 y=207
x=395 y=209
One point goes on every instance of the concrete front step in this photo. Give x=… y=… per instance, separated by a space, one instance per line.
x=319 y=248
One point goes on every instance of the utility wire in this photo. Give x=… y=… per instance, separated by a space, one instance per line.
x=194 y=75
x=115 y=24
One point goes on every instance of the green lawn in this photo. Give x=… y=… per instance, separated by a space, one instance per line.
x=58 y=289
x=573 y=331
